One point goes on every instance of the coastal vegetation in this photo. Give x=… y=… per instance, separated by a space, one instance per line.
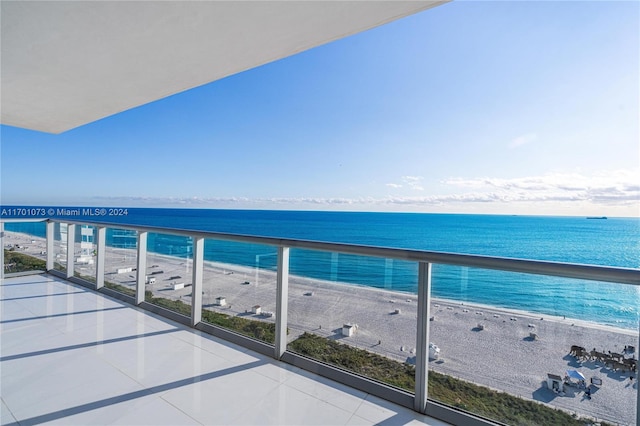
x=89 y=278
x=120 y=288
x=260 y=330
x=479 y=400
x=20 y=262
x=359 y=361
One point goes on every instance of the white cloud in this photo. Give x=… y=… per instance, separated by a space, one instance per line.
x=617 y=187
x=617 y=192
x=413 y=182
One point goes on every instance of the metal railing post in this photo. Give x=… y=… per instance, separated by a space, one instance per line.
x=422 y=337
x=282 y=301
x=196 y=286
x=50 y=250
x=101 y=235
x=142 y=266
x=71 y=239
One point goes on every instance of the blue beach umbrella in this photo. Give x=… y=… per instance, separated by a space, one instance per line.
x=576 y=375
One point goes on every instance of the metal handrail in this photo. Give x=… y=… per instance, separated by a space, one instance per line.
x=612 y=274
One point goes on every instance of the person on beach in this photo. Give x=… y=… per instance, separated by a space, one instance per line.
x=588 y=393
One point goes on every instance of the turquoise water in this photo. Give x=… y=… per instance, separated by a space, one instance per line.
x=611 y=242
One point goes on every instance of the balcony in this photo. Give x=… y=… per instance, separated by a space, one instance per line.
x=193 y=320
x=74 y=356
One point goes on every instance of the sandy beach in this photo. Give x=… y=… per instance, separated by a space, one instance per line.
x=502 y=355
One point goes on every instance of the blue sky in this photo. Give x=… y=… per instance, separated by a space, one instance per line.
x=470 y=107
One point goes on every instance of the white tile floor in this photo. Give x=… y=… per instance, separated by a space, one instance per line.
x=75 y=357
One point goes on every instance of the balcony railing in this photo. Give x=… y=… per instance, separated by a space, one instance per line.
x=374 y=340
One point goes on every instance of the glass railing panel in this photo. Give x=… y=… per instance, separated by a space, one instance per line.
x=25 y=246
x=512 y=345
x=60 y=238
x=355 y=312
x=121 y=260
x=239 y=288
x=84 y=253
x=169 y=274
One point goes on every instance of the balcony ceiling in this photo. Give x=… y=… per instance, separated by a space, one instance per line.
x=66 y=63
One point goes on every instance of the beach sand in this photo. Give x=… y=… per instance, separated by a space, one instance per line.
x=501 y=356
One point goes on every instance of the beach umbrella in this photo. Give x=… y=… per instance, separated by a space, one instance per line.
x=573 y=374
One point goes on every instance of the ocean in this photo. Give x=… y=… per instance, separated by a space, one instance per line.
x=609 y=242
